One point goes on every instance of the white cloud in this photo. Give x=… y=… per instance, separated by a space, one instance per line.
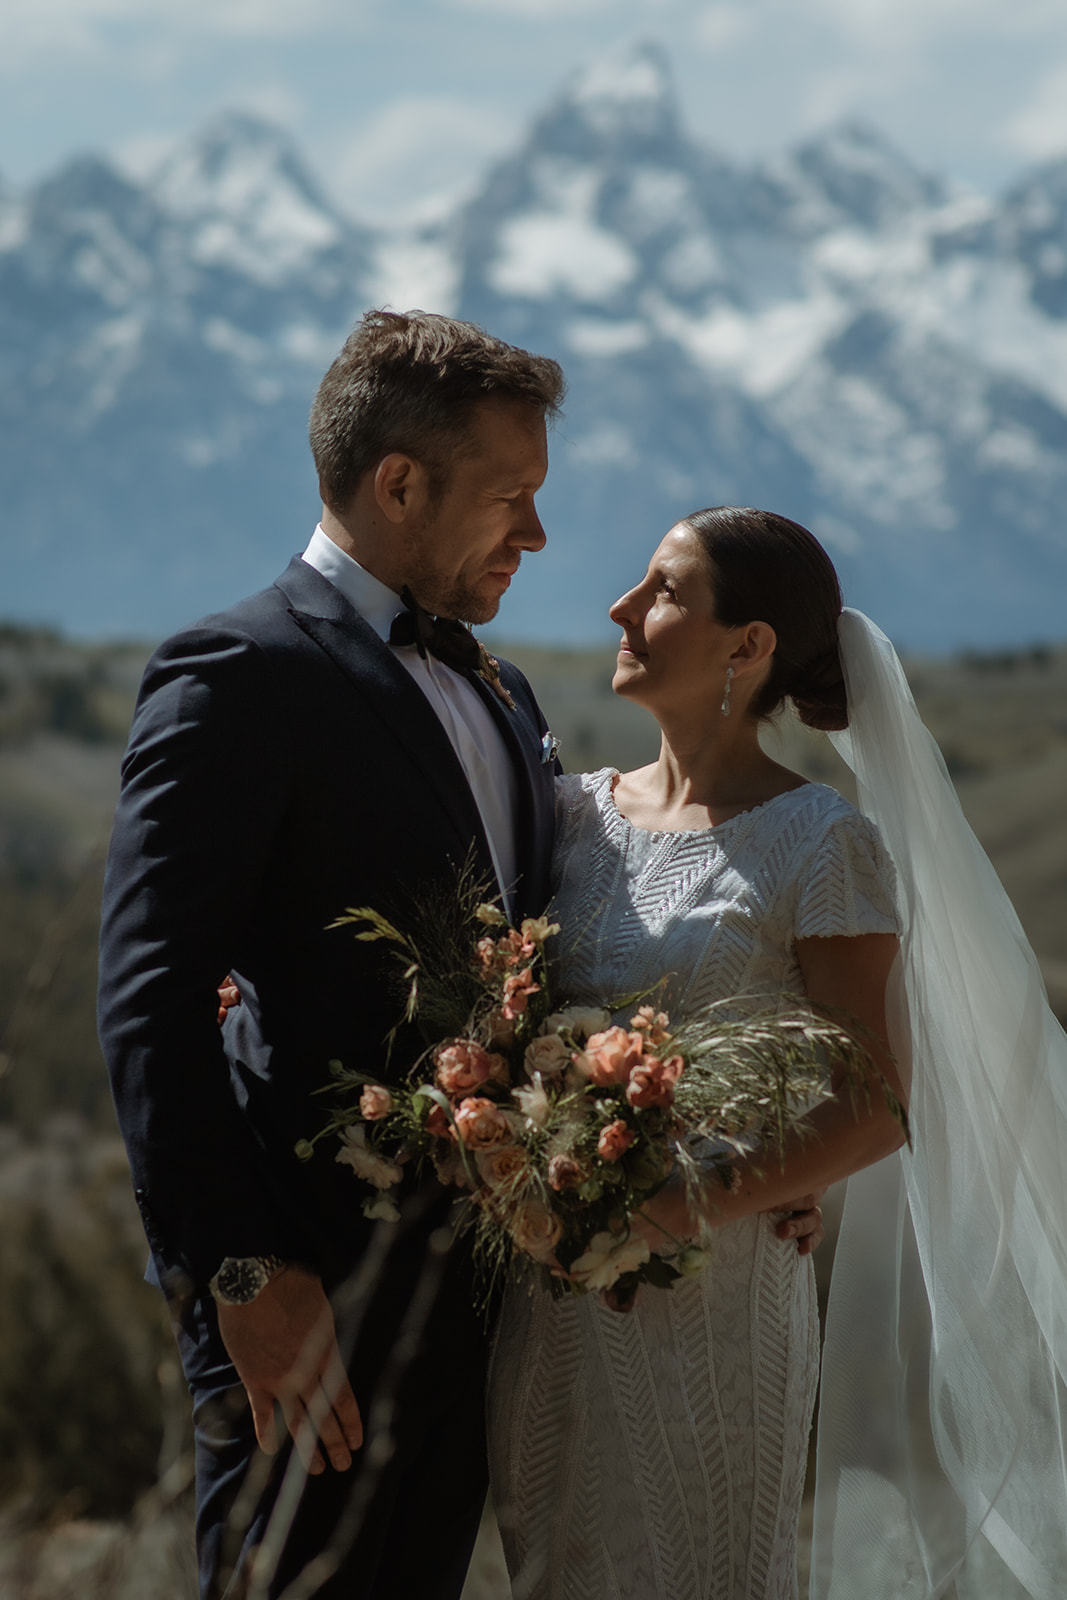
x=717 y=27
x=416 y=156
x=44 y=31
x=900 y=24
x=531 y=8
x=1039 y=128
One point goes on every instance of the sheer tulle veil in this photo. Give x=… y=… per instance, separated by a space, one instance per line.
x=942 y=1457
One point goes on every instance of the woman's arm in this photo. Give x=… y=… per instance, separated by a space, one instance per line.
x=847 y=976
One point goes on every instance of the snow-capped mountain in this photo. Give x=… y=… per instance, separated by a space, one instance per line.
x=834 y=334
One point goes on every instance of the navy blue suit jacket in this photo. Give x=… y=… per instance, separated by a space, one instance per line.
x=282 y=766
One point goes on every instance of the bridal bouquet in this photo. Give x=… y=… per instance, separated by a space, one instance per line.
x=557 y=1125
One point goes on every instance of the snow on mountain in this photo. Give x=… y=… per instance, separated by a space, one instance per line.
x=835 y=334
x=249 y=203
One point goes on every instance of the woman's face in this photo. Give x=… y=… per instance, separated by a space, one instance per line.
x=674 y=654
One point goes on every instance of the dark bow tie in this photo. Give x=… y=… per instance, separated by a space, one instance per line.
x=450 y=641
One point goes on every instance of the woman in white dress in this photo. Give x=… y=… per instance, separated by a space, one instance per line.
x=660 y=1454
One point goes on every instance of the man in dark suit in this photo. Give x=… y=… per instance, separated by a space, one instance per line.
x=288 y=760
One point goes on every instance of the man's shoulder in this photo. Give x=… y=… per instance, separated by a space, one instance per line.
x=260 y=623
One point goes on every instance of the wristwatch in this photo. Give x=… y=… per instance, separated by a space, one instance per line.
x=241 y=1278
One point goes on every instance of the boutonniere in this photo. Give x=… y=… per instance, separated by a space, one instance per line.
x=489 y=669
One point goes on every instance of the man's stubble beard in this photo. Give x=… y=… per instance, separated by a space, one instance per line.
x=446 y=598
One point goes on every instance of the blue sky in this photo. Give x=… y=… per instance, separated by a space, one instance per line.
x=402 y=103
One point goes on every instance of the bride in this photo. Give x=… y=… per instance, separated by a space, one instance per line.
x=660 y=1455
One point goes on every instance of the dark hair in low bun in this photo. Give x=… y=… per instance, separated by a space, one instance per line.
x=765 y=568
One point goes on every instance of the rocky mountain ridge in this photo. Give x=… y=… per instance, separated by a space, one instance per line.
x=835 y=334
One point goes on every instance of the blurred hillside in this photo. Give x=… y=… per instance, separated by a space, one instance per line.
x=92 y=1440
x=1001 y=720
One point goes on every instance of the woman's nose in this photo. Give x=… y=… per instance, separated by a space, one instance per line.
x=623 y=610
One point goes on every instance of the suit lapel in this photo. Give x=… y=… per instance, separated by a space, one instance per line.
x=407 y=718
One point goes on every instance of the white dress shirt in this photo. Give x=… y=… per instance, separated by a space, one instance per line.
x=462 y=713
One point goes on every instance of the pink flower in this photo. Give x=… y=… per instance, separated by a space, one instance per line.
x=565 y=1172
x=610 y=1057
x=535 y=1229
x=517 y=990
x=486 y=950
x=653 y=1024
x=482 y=1125
x=375 y=1102
x=464 y=1066
x=652 y=1081
x=615 y=1140
x=437 y=1123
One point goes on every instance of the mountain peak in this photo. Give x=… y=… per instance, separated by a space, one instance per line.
x=627 y=95
x=630 y=76
x=852 y=173
x=242 y=184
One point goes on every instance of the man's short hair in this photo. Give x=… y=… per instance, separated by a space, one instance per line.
x=408 y=382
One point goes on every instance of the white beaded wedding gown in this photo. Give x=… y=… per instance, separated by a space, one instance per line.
x=660 y=1454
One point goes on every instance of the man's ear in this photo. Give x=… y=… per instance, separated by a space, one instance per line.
x=400 y=487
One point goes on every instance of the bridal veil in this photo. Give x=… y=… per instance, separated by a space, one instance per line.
x=942 y=1463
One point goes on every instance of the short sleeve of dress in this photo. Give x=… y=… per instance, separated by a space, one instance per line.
x=849 y=885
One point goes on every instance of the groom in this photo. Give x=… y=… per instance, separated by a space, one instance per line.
x=296 y=755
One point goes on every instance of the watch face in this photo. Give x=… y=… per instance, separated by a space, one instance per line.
x=240 y=1279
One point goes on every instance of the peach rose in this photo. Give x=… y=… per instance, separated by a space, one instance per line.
x=615 y=1140
x=535 y=1229
x=517 y=991
x=610 y=1057
x=463 y=1066
x=375 y=1102
x=547 y=1055
x=501 y=1165
x=482 y=1125
x=566 y=1172
x=652 y=1081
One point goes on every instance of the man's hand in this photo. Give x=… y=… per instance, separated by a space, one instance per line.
x=801 y=1220
x=284 y=1346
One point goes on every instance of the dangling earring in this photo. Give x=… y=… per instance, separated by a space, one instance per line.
x=725 y=707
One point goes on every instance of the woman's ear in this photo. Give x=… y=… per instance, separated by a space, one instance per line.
x=756 y=644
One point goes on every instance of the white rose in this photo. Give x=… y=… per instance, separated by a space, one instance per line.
x=548 y=1055
x=365 y=1162
x=581 y=1020
x=609 y=1255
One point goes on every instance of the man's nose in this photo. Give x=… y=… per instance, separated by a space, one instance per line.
x=529 y=534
